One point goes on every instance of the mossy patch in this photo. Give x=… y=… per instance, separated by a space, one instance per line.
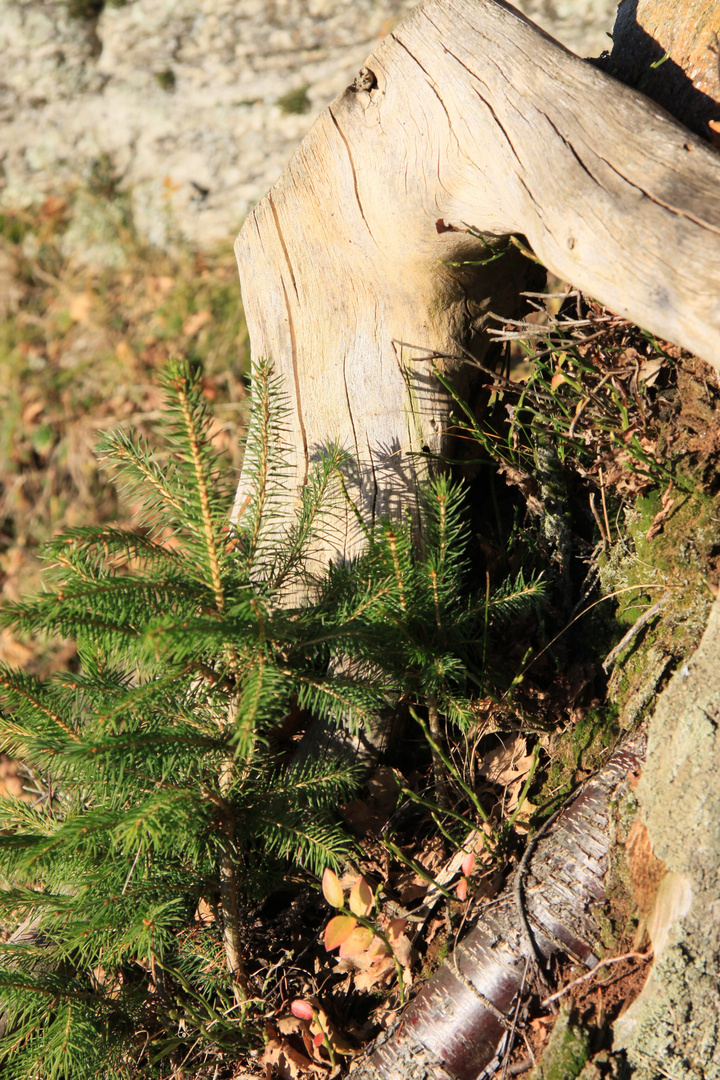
x=566 y=1052
x=578 y=753
x=679 y=565
x=295 y=101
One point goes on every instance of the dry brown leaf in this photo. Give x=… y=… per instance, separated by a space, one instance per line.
x=13 y=652
x=658 y=521
x=32 y=411
x=80 y=307
x=194 y=323
x=371 y=815
x=650 y=370
x=159 y=287
x=507 y=762
x=287 y=1061
x=204 y=913
x=10 y=783
x=360 y=817
x=383 y=971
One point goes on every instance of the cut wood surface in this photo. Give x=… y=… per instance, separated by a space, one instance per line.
x=465 y=117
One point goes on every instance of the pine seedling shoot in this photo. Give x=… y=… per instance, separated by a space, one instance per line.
x=165 y=807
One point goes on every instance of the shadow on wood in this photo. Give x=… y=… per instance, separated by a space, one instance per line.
x=467 y=125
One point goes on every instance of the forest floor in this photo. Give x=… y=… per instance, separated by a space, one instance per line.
x=601 y=468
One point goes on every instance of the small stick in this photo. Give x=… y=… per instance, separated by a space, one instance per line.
x=602 y=963
x=511 y=1036
x=604 y=504
x=633 y=631
x=598 y=520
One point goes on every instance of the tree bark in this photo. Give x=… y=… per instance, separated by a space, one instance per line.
x=457 y=1024
x=467 y=125
x=455 y=1027
x=687 y=83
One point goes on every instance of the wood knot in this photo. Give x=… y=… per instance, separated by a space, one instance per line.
x=365 y=81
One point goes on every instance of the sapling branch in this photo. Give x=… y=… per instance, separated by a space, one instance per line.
x=450 y=767
x=439 y=770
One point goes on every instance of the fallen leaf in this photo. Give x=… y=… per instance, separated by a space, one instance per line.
x=32 y=411
x=332 y=889
x=204 y=913
x=401 y=945
x=280 y=1056
x=659 y=520
x=13 y=652
x=650 y=370
x=194 y=323
x=507 y=762
x=158 y=287
x=80 y=307
x=53 y=207
x=380 y=972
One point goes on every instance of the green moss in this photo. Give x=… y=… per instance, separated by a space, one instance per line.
x=165 y=79
x=580 y=748
x=566 y=1052
x=13 y=227
x=295 y=101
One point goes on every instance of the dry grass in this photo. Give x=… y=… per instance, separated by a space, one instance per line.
x=79 y=352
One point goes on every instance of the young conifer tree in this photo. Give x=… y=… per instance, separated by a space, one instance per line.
x=162 y=787
x=161 y=783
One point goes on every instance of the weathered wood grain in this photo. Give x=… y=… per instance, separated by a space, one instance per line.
x=466 y=115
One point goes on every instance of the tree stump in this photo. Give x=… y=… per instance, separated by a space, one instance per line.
x=467 y=126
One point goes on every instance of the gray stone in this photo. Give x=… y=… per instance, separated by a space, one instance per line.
x=182 y=95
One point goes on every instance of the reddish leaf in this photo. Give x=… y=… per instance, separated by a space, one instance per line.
x=468 y=864
x=332 y=889
x=461 y=888
x=302 y=1009
x=338 y=930
x=361 y=898
x=318 y=1039
x=356 y=942
x=396 y=928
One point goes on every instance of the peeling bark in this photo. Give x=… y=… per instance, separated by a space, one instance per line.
x=456 y=1026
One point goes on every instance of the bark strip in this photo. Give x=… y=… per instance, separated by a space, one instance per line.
x=456 y=1025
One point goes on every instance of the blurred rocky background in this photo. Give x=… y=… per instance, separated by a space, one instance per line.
x=191 y=107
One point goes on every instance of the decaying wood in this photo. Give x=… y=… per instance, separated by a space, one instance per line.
x=458 y=1023
x=466 y=117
